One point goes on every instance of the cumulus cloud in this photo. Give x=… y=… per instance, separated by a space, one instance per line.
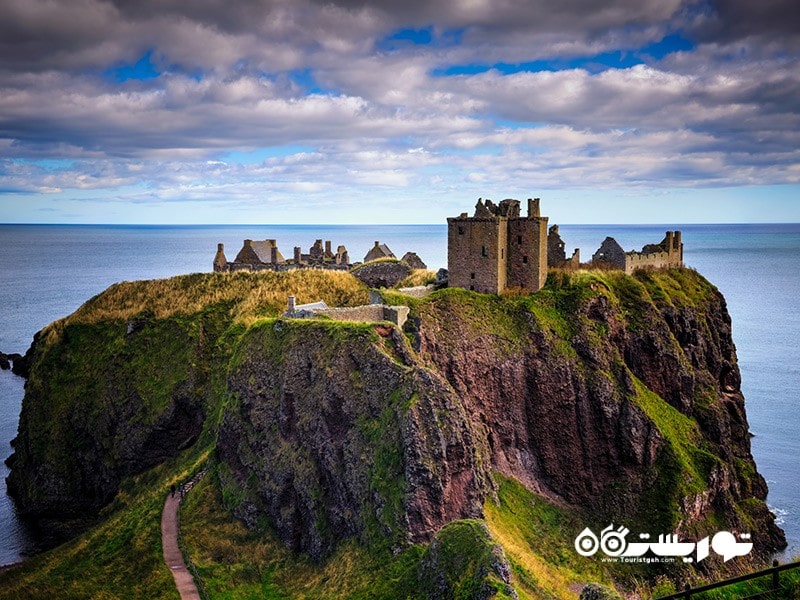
x=361 y=89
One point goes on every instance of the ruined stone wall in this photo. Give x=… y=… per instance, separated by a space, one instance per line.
x=610 y=254
x=367 y=313
x=418 y=291
x=527 y=253
x=666 y=255
x=476 y=253
x=556 y=253
x=655 y=260
x=396 y=314
x=232 y=267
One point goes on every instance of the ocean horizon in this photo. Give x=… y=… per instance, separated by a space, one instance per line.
x=49 y=270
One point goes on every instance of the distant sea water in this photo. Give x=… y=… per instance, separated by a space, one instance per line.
x=48 y=271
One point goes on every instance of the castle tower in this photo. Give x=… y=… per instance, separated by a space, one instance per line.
x=527 y=249
x=497 y=248
x=476 y=250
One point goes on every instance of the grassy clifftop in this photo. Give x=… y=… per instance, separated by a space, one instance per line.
x=609 y=395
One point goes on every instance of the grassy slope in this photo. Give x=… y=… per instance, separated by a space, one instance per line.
x=121 y=557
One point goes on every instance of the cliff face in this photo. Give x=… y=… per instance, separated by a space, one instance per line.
x=335 y=430
x=104 y=401
x=617 y=396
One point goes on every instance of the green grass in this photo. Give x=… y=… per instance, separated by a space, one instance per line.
x=462 y=563
x=386 y=475
x=538 y=536
x=682 y=468
x=418 y=277
x=120 y=558
x=238 y=564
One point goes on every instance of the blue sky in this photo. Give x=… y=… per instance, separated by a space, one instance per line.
x=660 y=111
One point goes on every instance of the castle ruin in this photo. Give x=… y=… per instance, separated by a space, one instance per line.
x=557 y=254
x=374 y=312
x=497 y=248
x=666 y=254
x=265 y=256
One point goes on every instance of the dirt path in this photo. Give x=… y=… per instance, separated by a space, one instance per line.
x=172 y=554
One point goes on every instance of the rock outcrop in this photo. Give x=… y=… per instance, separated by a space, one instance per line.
x=102 y=402
x=614 y=395
x=382 y=273
x=617 y=394
x=338 y=432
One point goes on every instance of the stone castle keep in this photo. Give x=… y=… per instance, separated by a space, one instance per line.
x=498 y=248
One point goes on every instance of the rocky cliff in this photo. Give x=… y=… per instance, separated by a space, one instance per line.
x=615 y=396
x=614 y=393
x=336 y=430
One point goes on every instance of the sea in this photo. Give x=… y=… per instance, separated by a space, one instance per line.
x=48 y=271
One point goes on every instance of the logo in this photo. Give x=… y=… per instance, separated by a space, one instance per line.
x=613 y=543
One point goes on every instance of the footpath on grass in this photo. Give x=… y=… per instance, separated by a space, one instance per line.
x=169 y=541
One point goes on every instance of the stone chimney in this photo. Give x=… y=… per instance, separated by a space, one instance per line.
x=297 y=256
x=291 y=304
x=273 y=255
x=533 y=207
x=220 y=261
x=328 y=248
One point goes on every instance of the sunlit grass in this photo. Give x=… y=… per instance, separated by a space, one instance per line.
x=537 y=536
x=119 y=559
x=249 y=295
x=418 y=277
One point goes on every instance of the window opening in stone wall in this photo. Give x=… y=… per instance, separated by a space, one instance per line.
x=460 y=230
x=472 y=275
x=502 y=253
x=525 y=259
x=483 y=251
x=519 y=239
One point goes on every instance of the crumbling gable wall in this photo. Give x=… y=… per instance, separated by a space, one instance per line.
x=664 y=255
x=413 y=261
x=556 y=252
x=379 y=251
x=610 y=253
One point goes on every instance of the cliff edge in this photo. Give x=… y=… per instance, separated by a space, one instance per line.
x=614 y=397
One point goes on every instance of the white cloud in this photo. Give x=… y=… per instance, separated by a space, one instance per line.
x=235 y=77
